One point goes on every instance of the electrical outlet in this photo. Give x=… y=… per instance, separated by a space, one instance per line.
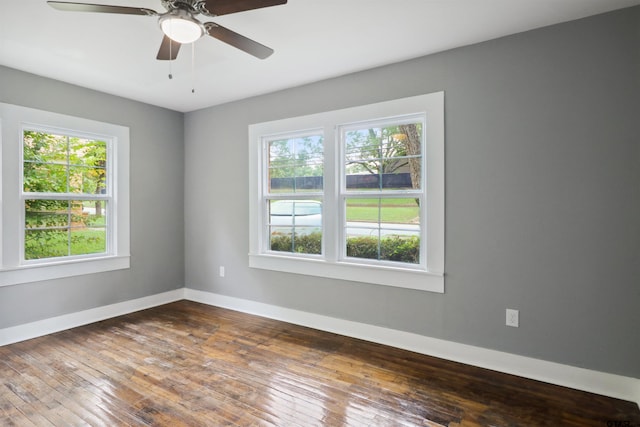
x=513 y=317
x=221 y=271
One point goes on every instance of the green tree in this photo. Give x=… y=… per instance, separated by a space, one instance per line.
x=386 y=150
x=413 y=149
x=61 y=164
x=375 y=150
x=296 y=159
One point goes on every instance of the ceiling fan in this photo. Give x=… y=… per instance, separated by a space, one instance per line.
x=180 y=25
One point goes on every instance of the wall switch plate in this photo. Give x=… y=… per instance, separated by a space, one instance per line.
x=513 y=317
x=221 y=271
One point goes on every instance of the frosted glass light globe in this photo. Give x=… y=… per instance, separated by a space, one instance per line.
x=179 y=26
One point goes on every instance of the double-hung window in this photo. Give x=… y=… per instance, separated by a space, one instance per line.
x=293 y=193
x=381 y=191
x=354 y=194
x=65 y=196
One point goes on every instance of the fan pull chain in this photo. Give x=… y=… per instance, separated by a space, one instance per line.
x=193 y=68
x=170 y=60
x=170 y=53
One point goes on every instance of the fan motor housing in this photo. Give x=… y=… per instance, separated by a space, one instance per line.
x=193 y=6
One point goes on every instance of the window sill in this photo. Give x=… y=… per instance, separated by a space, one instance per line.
x=61 y=269
x=386 y=276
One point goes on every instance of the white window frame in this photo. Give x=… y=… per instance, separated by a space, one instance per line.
x=428 y=276
x=13 y=268
x=345 y=193
x=268 y=196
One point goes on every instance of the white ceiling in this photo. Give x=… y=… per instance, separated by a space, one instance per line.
x=313 y=40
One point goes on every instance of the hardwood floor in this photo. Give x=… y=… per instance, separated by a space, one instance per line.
x=188 y=364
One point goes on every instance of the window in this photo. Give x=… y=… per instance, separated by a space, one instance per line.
x=65 y=191
x=354 y=194
x=382 y=191
x=293 y=192
x=66 y=195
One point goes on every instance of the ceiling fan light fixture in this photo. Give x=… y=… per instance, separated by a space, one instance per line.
x=181 y=27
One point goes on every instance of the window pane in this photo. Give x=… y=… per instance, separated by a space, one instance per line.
x=296 y=164
x=45 y=178
x=89 y=228
x=40 y=244
x=363 y=144
x=383 y=229
x=45 y=148
x=384 y=158
x=87 y=180
x=295 y=226
x=46 y=213
x=55 y=228
x=87 y=152
x=88 y=240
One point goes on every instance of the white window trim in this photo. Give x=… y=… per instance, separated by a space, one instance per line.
x=430 y=278
x=13 y=270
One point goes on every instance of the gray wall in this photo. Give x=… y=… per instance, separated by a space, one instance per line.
x=542 y=195
x=156 y=189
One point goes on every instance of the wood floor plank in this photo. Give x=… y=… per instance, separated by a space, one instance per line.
x=188 y=364
x=82 y=405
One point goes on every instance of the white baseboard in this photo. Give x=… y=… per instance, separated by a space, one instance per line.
x=602 y=383
x=67 y=321
x=611 y=385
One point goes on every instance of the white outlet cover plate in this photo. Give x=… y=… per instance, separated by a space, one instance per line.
x=513 y=318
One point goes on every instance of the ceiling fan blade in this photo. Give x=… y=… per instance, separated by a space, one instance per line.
x=168 y=49
x=236 y=40
x=224 y=7
x=100 y=8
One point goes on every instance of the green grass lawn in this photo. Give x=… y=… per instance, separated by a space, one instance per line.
x=399 y=211
x=48 y=244
x=386 y=202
